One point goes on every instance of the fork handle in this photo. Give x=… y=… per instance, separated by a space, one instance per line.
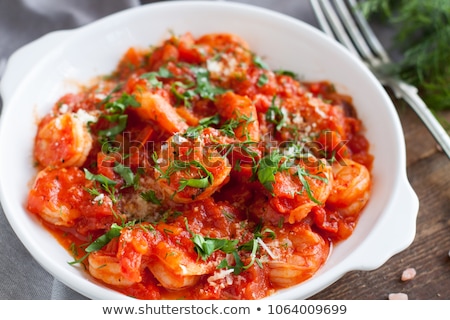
x=410 y=95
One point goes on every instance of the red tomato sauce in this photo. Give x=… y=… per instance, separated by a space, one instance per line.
x=195 y=171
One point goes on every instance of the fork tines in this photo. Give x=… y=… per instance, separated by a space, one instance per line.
x=344 y=21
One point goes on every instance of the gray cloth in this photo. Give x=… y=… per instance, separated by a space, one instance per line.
x=22 y=21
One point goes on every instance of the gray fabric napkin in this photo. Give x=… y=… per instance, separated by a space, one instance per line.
x=22 y=21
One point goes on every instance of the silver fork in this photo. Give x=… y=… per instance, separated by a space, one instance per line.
x=343 y=21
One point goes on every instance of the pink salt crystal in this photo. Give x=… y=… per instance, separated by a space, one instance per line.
x=408 y=274
x=398 y=296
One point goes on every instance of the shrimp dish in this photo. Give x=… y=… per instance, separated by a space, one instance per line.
x=195 y=171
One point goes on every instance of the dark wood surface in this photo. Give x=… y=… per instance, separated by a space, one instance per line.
x=428 y=170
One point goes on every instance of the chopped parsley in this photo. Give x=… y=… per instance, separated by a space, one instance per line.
x=152 y=77
x=275 y=116
x=275 y=162
x=288 y=73
x=202 y=87
x=194 y=132
x=262 y=80
x=150 y=196
x=257 y=61
x=115 y=114
x=205 y=247
x=114 y=232
x=127 y=175
x=268 y=167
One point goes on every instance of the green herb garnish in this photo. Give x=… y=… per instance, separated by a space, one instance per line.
x=152 y=77
x=288 y=73
x=262 y=80
x=118 y=106
x=127 y=175
x=115 y=113
x=268 y=167
x=106 y=184
x=104 y=239
x=257 y=61
x=275 y=162
x=275 y=115
x=205 y=247
x=101 y=241
x=150 y=196
x=194 y=132
x=202 y=87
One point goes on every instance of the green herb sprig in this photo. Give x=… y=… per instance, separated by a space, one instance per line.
x=103 y=240
x=202 y=87
x=423 y=38
x=275 y=162
x=115 y=113
x=205 y=247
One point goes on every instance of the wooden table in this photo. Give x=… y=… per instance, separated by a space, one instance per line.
x=428 y=170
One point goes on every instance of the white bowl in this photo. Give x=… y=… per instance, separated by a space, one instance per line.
x=39 y=73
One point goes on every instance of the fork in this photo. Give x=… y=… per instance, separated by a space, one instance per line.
x=342 y=21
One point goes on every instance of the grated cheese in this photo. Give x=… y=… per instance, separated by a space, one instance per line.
x=99 y=198
x=58 y=123
x=100 y=96
x=64 y=108
x=85 y=117
x=269 y=252
x=221 y=274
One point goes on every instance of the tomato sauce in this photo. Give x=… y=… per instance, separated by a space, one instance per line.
x=195 y=171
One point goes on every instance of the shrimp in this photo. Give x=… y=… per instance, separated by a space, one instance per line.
x=64 y=141
x=227 y=56
x=351 y=187
x=108 y=269
x=157 y=249
x=154 y=107
x=122 y=260
x=59 y=196
x=56 y=194
x=173 y=265
x=188 y=170
x=227 y=44
x=298 y=190
x=242 y=125
x=241 y=109
x=296 y=255
x=170 y=280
